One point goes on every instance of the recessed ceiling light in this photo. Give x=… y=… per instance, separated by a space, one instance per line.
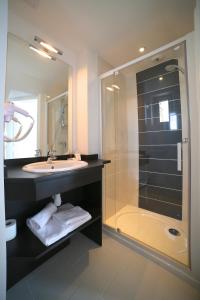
x=41 y=52
x=141 y=49
x=109 y=89
x=160 y=78
x=116 y=86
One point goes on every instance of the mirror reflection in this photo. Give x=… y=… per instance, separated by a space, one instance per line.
x=40 y=86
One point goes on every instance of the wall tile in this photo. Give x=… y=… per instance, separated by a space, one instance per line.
x=155 y=124
x=158 y=175
x=153 y=84
x=159 y=138
x=162 y=194
x=160 y=152
x=168 y=181
x=154 y=71
x=153 y=111
x=157 y=96
x=166 y=209
x=162 y=166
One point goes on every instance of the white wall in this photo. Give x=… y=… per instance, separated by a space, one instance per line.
x=3 y=45
x=93 y=105
x=103 y=66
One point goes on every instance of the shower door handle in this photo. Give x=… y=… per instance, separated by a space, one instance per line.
x=179 y=156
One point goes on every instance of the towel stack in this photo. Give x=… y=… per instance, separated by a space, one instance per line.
x=52 y=223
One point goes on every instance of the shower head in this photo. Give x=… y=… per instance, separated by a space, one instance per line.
x=172 y=68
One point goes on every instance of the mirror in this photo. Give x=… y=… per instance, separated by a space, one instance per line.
x=40 y=86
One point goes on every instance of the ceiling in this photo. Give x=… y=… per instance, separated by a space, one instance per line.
x=113 y=28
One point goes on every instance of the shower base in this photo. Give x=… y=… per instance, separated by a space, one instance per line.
x=153 y=230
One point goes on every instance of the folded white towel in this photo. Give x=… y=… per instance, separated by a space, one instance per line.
x=41 y=219
x=68 y=216
x=65 y=206
x=54 y=230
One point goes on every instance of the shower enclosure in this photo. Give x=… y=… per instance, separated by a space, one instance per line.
x=145 y=134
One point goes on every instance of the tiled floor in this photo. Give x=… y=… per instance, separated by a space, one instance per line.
x=152 y=229
x=84 y=271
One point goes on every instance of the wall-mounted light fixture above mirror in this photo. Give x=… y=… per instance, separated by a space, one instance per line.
x=41 y=87
x=41 y=52
x=47 y=46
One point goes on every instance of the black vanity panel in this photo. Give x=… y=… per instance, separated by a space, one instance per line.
x=20 y=190
x=160 y=181
x=65 y=183
x=37 y=186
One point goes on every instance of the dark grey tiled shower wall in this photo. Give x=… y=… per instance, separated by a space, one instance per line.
x=160 y=183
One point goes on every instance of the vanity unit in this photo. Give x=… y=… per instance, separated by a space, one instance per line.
x=27 y=193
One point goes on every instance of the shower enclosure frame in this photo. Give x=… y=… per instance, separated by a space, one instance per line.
x=166 y=260
x=69 y=136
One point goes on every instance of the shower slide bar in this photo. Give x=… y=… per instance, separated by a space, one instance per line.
x=179 y=155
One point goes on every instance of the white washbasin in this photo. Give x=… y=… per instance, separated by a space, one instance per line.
x=54 y=166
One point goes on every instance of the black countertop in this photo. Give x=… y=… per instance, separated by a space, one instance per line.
x=22 y=185
x=16 y=172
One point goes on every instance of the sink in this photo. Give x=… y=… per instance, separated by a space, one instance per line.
x=54 y=166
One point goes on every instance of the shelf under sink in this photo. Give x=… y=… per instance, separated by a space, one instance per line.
x=27 y=245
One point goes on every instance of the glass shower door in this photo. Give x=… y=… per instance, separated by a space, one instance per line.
x=119 y=126
x=145 y=133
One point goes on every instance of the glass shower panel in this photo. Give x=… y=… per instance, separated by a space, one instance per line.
x=127 y=143
x=109 y=151
x=120 y=145
x=145 y=135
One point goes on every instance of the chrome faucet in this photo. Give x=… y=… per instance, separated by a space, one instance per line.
x=51 y=156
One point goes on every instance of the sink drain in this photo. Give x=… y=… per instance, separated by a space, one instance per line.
x=174 y=231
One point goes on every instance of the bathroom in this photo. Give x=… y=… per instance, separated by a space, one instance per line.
x=138 y=111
